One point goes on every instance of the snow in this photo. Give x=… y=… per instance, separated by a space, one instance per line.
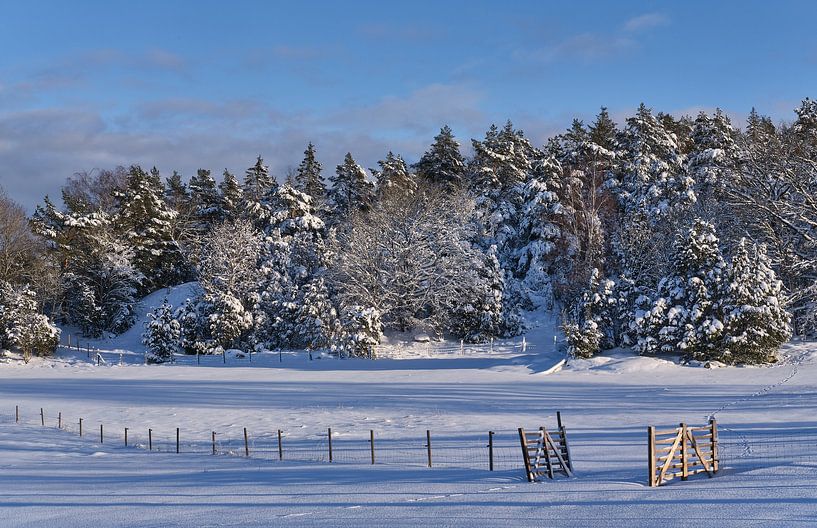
x=766 y=414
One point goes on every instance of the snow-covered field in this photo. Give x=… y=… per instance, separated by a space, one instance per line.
x=768 y=420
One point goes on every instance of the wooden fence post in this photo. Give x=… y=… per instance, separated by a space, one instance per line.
x=280 y=446
x=214 y=442
x=371 y=441
x=177 y=441
x=16 y=414
x=713 y=424
x=490 y=450
x=59 y=420
x=80 y=427
x=246 y=444
x=651 y=454
x=126 y=437
x=42 y=417
x=150 y=439
x=525 y=455
x=329 y=436
x=428 y=445
x=684 y=454
x=101 y=437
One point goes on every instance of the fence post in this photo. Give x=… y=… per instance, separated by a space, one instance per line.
x=371 y=441
x=462 y=347
x=280 y=446
x=651 y=454
x=59 y=420
x=490 y=450
x=42 y=417
x=80 y=427
x=16 y=414
x=214 y=442
x=714 y=426
x=150 y=439
x=246 y=444
x=428 y=445
x=126 y=437
x=524 y=345
x=101 y=437
x=525 y=455
x=684 y=454
x=177 y=441
x=329 y=436
x=224 y=356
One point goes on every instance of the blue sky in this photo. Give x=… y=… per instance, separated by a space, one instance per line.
x=183 y=85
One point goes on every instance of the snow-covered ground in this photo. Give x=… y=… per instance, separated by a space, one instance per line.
x=768 y=420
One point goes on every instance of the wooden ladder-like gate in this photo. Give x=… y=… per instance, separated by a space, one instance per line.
x=682 y=452
x=543 y=456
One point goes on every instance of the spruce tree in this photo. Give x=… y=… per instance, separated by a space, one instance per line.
x=205 y=201
x=162 y=334
x=231 y=196
x=394 y=177
x=350 y=190
x=443 y=163
x=308 y=178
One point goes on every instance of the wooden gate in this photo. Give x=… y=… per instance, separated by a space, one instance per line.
x=543 y=455
x=682 y=452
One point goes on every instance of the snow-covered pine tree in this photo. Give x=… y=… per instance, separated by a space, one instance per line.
x=146 y=224
x=231 y=196
x=308 y=178
x=258 y=183
x=205 y=200
x=193 y=330
x=443 y=163
x=394 y=177
x=350 y=191
x=756 y=323
x=176 y=194
x=316 y=321
x=162 y=335
x=590 y=328
x=362 y=332
x=652 y=183
x=228 y=320
x=22 y=325
x=686 y=316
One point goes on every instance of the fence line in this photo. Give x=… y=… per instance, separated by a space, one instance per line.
x=493 y=452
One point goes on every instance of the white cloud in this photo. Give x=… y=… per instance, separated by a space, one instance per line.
x=646 y=21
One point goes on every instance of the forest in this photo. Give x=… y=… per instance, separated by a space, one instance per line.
x=662 y=235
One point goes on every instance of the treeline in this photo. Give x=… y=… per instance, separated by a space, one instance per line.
x=667 y=235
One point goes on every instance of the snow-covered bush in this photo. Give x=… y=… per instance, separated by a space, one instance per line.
x=162 y=334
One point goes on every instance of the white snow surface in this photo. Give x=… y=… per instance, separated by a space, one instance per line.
x=51 y=477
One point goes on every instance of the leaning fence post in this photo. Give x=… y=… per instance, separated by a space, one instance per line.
x=371 y=441
x=150 y=439
x=246 y=444
x=684 y=454
x=713 y=424
x=280 y=446
x=214 y=442
x=329 y=436
x=490 y=450
x=651 y=454
x=428 y=445
x=177 y=440
x=42 y=417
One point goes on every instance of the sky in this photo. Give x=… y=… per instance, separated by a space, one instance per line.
x=90 y=85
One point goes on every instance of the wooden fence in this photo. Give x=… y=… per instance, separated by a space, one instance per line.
x=682 y=452
x=543 y=455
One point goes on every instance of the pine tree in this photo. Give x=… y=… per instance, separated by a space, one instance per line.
x=22 y=325
x=394 y=178
x=176 y=194
x=316 y=321
x=756 y=324
x=687 y=314
x=362 y=332
x=146 y=223
x=205 y=201
x=308 y=178
x=443 y=163
x=162 y=334
x=350 y=190
x=231 y=196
